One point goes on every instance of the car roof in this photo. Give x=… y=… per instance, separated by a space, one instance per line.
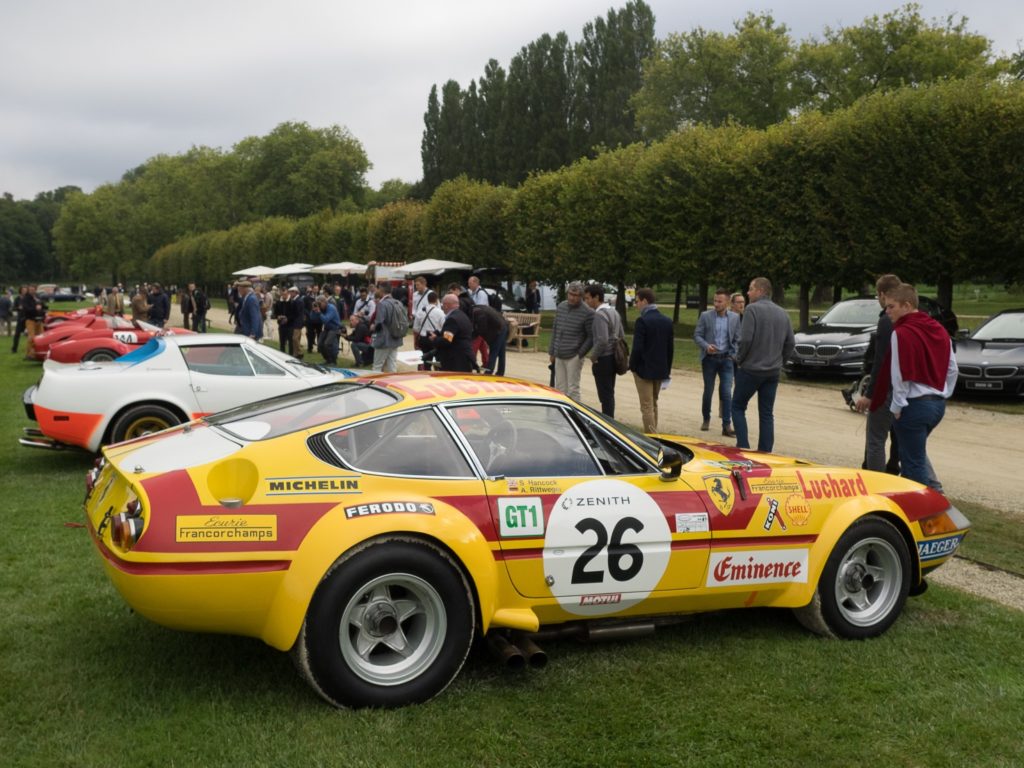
x=430 y=387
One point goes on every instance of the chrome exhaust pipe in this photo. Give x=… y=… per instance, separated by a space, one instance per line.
x=619 y=632
x=534 y=654
x=509 y=655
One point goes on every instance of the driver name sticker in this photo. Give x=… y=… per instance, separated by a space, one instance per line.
x=606 y=547
x=520 y=516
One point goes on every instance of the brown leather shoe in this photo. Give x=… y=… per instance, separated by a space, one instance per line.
x=728 y=431
x=705 y=426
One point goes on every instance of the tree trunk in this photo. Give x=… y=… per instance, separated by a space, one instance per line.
x=805 y=306
x=620 y=301
x=837 y=294
x=679 y=292
x=944 y=290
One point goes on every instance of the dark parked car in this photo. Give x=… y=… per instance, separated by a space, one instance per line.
x=992 y=358
x=837 y=342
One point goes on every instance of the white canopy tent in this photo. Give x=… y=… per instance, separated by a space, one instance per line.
x=259 y=271
x=430 y=267
x=291 y=269
x=339 y=268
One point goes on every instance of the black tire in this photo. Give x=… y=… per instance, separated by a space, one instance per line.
x=414 y=644
x=864 y=584
x=101 y=355
x=142 y=420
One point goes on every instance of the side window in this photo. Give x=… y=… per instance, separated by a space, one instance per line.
x=218 y=360
x=413 y=443
x=524 y=440
x=613 y=457
x=261 y=366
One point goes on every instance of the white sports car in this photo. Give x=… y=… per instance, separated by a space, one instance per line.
x=170 y=380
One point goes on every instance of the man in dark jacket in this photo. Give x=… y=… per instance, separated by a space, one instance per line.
x=159 y=306
x=295 y=313
x=650 y=360
x=250 y=320
x=454 y=344
x=490 y=325
x=359 y=339
x=879 y=424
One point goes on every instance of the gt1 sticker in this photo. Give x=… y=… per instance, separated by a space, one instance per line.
x=521 y=516
x=223 y=528
x=692 y=522
x=777 y=566
x=606 y=548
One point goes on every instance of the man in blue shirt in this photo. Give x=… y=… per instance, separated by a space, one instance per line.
x=328 y=342
x=250 y=320
x=718 y=336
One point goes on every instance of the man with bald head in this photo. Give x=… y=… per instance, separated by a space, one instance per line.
x=454 y=344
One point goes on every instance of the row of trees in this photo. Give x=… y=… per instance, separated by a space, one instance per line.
x=922 y=181
x=618 y=85
x=26 y=243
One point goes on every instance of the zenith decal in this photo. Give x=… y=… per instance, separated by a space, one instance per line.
x=289 y=486
x=936 y=548
x=777 y=566
x=719 y=488
x=389 y=508
x=225 y=528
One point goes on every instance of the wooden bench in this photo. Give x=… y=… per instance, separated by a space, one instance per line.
x=523 y=327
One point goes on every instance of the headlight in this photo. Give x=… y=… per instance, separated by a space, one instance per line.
x=855 y=348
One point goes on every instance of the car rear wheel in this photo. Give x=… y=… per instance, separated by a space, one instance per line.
x=99 y=356
x=142 y=420
x=864 y=584
x=391 y=624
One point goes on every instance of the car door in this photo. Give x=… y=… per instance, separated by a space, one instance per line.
x=579 y=515
x=225 y=375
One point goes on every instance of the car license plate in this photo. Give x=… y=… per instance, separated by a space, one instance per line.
x=813 y=361
x=985 y=385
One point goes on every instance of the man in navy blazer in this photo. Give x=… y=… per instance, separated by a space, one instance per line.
x=718 y=336
x=650 y=360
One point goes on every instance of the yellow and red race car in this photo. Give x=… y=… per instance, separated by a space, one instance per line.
x=376 y=526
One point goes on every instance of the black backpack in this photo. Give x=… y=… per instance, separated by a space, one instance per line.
x=494 y=299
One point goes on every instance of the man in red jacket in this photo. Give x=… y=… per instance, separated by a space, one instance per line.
x=922 y=371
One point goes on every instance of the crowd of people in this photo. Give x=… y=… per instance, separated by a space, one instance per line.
x=742 y=346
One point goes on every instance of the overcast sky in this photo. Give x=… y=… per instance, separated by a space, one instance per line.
x=91 y=88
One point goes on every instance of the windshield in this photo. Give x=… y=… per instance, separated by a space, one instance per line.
x=1006 y=327
x=300 y=410
x=857 y=313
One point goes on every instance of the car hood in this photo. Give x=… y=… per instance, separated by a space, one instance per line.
x=833 y=334
x=1003 y=352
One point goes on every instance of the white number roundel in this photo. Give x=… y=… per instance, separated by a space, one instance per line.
x=606 y=547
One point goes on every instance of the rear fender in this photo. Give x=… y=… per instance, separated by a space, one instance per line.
x=335 y=534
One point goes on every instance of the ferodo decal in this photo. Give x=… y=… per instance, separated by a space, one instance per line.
x=521 y=516
x=389 y=508
x=831 y=487
x=936 y=548
x=317 y=484
x=225 y=528
x=720 y=491
x=773 y=485
x=606 y=548
x=777 y=566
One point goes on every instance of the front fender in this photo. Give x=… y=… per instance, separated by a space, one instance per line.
x=335 y=534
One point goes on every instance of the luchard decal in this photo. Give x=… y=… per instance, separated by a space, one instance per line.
x=831 y=487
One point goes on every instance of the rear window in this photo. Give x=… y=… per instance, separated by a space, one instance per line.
x=306 y=409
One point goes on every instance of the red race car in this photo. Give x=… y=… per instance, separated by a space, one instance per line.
x=94 y=338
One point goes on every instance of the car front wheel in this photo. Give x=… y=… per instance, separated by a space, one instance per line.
x=864 y=584
x=391 y=624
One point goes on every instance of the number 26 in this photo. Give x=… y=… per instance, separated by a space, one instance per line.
x=616 y=551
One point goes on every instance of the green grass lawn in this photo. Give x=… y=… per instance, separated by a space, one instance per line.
x=85 y=682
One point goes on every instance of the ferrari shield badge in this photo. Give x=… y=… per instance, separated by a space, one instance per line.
x=720 y=491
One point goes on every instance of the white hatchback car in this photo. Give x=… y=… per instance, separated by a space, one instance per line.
x=168 y=381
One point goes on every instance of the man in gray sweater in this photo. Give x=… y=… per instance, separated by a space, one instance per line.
x=571 y=339
x=766 y=340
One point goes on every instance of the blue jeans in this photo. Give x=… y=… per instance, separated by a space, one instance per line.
x=765 y=385
x=722 y=367
x=916 y=422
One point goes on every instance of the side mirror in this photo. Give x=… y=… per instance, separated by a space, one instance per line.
x=670 y=462
x=815 y=318
x=963 y=333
